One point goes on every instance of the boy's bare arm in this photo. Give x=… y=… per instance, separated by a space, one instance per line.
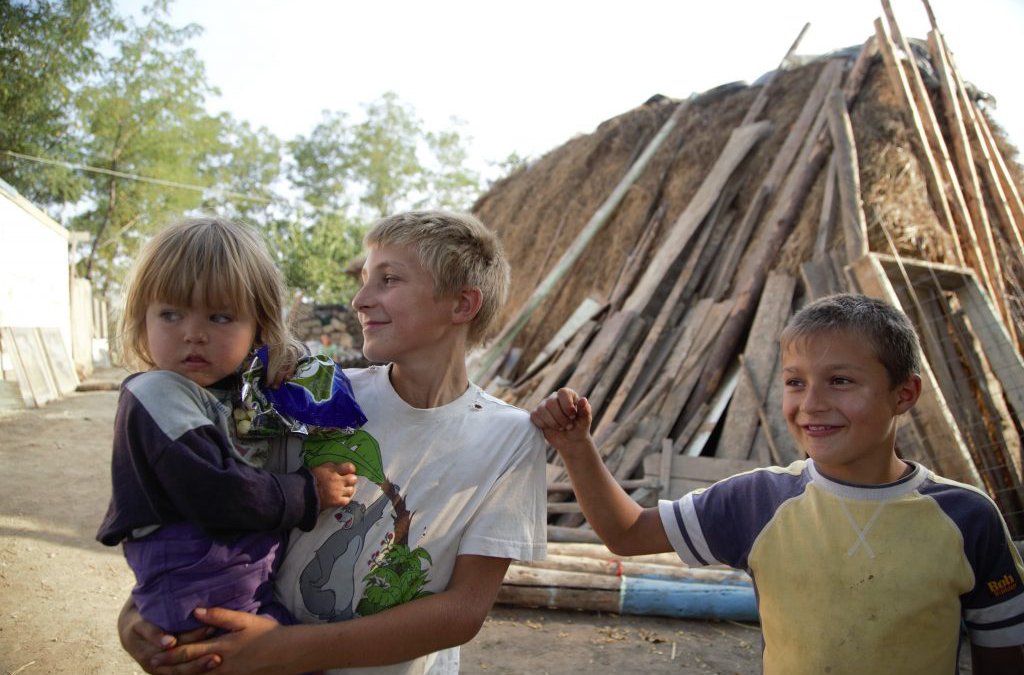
x=997 y=660
x=622 y=524
x=259 y=645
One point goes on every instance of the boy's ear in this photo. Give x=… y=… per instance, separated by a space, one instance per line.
x=468 y=303
x=907 y=393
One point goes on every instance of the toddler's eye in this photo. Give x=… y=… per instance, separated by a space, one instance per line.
x=169 y=315
x=221 y=318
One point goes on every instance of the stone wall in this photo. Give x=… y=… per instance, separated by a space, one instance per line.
x=338 y=323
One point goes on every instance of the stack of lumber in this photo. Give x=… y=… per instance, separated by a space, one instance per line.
x=590 y=577
x=657 y=260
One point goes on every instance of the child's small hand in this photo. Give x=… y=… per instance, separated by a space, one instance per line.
x=565 y=419
x=335 y=484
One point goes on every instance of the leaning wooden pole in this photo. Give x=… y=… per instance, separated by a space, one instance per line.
x=572 y=254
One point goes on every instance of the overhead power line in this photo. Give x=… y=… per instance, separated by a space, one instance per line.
x=135 y=177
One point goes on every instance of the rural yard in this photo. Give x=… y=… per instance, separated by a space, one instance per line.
x=60 y=590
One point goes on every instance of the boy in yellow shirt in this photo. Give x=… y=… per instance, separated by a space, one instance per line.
x=863 y=562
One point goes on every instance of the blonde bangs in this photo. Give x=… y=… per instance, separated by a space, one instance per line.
x=230 y=267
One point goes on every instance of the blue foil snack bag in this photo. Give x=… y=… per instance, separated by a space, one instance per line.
x=317 y=394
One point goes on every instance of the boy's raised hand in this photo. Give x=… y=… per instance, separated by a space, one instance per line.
x=335 y=484
x=565 y=419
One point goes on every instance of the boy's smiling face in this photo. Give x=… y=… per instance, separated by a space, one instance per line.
x=841 y=407
x=396 y=306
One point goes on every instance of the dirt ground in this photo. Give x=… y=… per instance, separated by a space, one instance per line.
x=60 y=590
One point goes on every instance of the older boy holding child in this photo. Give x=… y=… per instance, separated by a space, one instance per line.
x=863 y=562
x=451 y=485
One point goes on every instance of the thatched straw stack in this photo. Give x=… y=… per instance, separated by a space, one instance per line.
x=656 y=259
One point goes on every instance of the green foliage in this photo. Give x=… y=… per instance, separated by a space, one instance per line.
x=145 y=115
x=47 y=48
x=129 y=98
x=386 y=162
x=396 y=577
x=313 y=251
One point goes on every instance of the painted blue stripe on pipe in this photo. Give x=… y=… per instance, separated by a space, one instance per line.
x=688 y=600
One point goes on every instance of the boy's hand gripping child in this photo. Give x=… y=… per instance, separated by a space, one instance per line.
x=863 y=562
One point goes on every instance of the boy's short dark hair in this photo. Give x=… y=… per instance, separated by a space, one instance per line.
x=458 y=251
x=886 y=328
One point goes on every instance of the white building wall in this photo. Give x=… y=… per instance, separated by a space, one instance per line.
x=34 y=271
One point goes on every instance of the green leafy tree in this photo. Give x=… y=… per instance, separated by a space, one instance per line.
x=144 y=115
x=245 y=167
x=348 y=174
x=47 y=49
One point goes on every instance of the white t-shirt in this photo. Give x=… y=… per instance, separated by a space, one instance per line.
x=464 y=478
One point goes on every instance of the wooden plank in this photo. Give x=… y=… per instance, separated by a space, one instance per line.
x=611 y=371
x=740 y=143
x=59 y=360
x=693 y=473
x=689 y=373
x=587 y=310
x=827 y=218
x=613 y=567
x=773 y=311
x=964 y=160
x=936 y=190
x=717 y=406
x=814 y=274
x=784 y=444
x=935 y=423
x=999 y=425
x=31 y=368
x=802 y=128
x=1003 y=191
x=556 y=372
x=610 y=336
x=1003 y=357
x=969 y=237
x=665 y=342
x=632 y=268
x=10 y=395
x=761 y=100
x=844 y=156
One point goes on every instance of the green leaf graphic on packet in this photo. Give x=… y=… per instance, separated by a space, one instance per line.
x=357 y=447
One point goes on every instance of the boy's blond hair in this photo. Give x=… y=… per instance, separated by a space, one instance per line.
x=886 y=328
x=231 y=267
x=459 y=252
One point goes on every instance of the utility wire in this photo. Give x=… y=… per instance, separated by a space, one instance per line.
x=135 y=177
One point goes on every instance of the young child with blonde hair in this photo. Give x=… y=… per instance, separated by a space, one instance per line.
x=200 y=521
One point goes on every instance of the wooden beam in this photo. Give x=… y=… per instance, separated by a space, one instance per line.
x=932 y=176
x=851 y=208
x=971 y=182
x=773 y=311
x=740 y=143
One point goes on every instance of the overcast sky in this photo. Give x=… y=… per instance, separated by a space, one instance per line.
x=526 y=76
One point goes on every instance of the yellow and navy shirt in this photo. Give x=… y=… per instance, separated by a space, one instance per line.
x=859 y=579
